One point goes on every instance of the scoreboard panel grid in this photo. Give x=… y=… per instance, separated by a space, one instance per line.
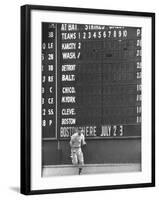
x=91 y=79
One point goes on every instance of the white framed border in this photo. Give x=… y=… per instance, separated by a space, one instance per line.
x=41 y=183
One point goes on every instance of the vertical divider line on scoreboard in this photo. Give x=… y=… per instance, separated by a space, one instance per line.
x=102 y=93
x=56 y=79
x=58 y=87
x=41 y=99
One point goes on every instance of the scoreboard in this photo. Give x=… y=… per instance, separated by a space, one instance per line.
x=91 y=80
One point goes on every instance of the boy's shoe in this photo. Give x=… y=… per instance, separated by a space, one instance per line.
x=80 y=170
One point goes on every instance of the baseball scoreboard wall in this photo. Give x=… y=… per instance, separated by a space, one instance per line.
x=91 y=80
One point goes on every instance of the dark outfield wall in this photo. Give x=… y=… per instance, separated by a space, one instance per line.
x=96 y=151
